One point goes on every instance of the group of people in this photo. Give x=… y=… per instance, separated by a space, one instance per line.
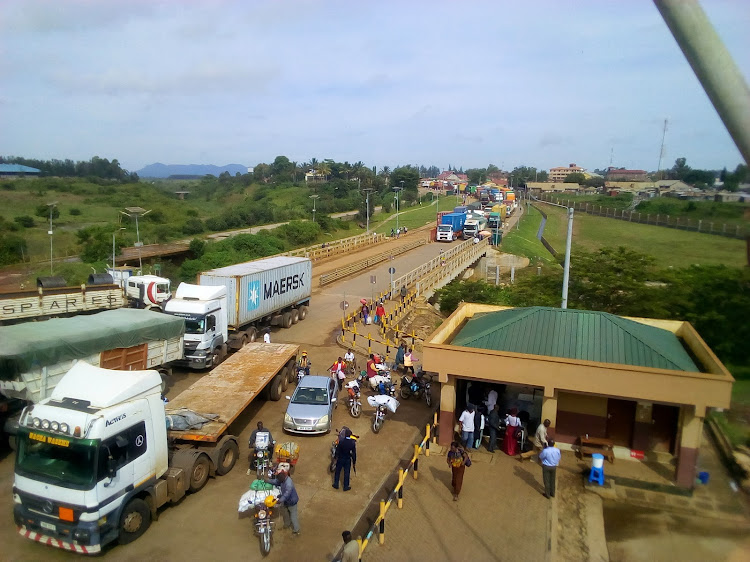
x=377 y=313
x=398 y=232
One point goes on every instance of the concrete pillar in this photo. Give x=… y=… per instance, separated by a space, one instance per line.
x=447 y=417
x=691 y=430
x=549 y=408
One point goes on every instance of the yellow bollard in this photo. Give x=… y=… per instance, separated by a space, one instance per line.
x=381 y=529
x=435 y=425
x=401 y=488
x=416 y=461
x=369 y=344
x=427 y=441
x=361 y=549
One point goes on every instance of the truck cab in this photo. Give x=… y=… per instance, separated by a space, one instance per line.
x=89 y=458
x=445 y=233
x=204 y=309
x=471 y=228
x=148 y=291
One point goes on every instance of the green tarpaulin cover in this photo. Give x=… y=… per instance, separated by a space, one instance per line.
x=38 y=344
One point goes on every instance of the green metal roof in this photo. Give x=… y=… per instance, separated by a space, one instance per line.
x=575 y=334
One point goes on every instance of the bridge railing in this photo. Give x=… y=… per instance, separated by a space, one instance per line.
x=357 y=267
x=449 y=269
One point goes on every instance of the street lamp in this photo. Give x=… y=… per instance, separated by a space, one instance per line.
x=367 y=205
x=314 y=197
x=51 y=206
x=113 y=247
x=397 y=189
x=137 y=212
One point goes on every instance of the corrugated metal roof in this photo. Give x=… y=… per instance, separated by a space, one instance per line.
x=575 y=334
x=17 y=169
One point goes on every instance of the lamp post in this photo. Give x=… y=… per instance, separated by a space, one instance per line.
x=137 y=212
x=51 y=206
x=114 y=251
x=367 y=205
x=397 y=189
x=314 y=197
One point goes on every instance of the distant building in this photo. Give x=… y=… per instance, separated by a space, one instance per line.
x=15 y=170
x=538 y=187
x=560 y=173
x=314 y=176
x=621 y=174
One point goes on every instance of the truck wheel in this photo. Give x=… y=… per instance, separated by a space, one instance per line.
x=286 y=320
x=302 y=312
x=228 y=455
x=199 y=473
x=252 y=334
x=291 y=376
x=295 y=316
x=276 y=391
x=134 y=521
x=284 y=380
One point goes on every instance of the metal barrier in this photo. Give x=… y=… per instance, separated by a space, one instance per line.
x=397 y=493
x=440 y=276
x=365 y=263
x=336 y=247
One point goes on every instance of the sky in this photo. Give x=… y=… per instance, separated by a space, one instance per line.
x=543 y=83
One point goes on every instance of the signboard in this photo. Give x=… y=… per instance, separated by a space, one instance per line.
x=636 y=454
x=391 y=270
x=373 y=279
x=344 y=305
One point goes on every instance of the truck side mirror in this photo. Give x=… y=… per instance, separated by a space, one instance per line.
x=111 y=468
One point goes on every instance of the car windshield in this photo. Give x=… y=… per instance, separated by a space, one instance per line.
x=310 y=396
x=58 y=460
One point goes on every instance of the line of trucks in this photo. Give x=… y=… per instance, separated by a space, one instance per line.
x=98 y=450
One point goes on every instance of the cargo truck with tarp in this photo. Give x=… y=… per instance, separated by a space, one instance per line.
x=34 y=356
x=99 y=457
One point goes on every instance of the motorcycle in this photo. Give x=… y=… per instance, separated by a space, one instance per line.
x=262 y=455
x=354 y=402
x=416 y=386
x=301 y=372
x=335 y=443
x=382 y=404
x=262 y=502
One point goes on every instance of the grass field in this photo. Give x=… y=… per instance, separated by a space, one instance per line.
x=670 y=247
x=523 y=241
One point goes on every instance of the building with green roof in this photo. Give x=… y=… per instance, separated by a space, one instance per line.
x=642 y=384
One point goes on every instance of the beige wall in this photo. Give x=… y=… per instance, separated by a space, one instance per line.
x=582 y=404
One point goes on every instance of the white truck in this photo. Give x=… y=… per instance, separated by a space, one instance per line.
x=96 y=459
x=231 y=305
x=142 y=291
x=473 y=226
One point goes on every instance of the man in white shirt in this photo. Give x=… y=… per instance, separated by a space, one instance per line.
x=540 y=440
x=266 y=337
x=491 y=399
x=466 y=423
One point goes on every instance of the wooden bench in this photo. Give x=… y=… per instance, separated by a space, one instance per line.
x=592 y=445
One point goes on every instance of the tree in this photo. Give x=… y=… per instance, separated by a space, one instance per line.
x=679 y=170
x=282 y=169
x=575 y=177
x=44 y=211
x=410 y=176
x=476 y=176
x=594 y=181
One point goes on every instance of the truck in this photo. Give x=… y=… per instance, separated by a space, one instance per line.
x=97 y=460
x=484 y=198
x=231 y=305
x=142 y=291
x=34 y=356
x=56 y=298
x=473 y=226
x=451 y=227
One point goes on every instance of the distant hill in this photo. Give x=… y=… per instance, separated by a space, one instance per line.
x=159 y=170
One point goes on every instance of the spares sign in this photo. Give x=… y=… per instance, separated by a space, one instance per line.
x=14 y=307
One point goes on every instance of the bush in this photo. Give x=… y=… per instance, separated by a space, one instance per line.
x=75 y=211
x=25 y=221
x=193 y=226
x=44 y=211
x=300 y=233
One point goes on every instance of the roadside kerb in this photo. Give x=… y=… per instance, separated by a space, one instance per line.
x=363 y=264
x=396 y=493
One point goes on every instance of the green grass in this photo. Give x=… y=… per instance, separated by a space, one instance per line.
x=523 y=241
x=670 y=247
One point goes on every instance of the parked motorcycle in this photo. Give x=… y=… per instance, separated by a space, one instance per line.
x=354 y=403
x=416 y=386
x=382 y=404
x=301 y=372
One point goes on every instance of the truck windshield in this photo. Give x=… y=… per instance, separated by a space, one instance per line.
x=58 y=460
x=194 y=324
x=444 y=228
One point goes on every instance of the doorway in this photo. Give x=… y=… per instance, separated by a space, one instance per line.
x=620 y=419
x=664 y=428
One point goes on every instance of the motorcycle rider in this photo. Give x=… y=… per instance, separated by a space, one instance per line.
x=338 y=372
x=288 y=498
x=261 y=432
x=304 y=363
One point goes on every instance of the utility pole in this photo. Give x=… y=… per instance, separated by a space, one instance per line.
x=397 y=189
x=137 y=212
x=314 y=197
x=51 y=206
x=566 y=270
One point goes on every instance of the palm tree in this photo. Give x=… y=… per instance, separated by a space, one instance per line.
x=294 y=171
x=386 y=172
x=324 y=170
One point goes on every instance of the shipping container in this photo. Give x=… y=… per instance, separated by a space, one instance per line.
x=259 y=288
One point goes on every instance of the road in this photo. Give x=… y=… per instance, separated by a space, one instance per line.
x=206 y=525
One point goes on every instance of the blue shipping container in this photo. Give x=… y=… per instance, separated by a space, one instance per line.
x=456 y=220
x=460 y=209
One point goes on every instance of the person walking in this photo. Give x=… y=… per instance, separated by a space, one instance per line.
x=409 y=362
x=346 y=457
x=550 y=457
x=351 y=548
x=379 y=313
x=403 y=293
x=512 y=428
x=288 y=498
x=338 y=372
x=267 y=336
x=493 y=423
x=458 y=459
x=478 y=426
x=400 y=353
x=540 y=441
x=466 y=424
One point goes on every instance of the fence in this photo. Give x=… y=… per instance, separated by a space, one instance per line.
x=365 y=263
x=655 y=219
x=397 y=493
x=336 y=247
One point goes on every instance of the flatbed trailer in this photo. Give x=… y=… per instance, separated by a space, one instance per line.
x=255 y=370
